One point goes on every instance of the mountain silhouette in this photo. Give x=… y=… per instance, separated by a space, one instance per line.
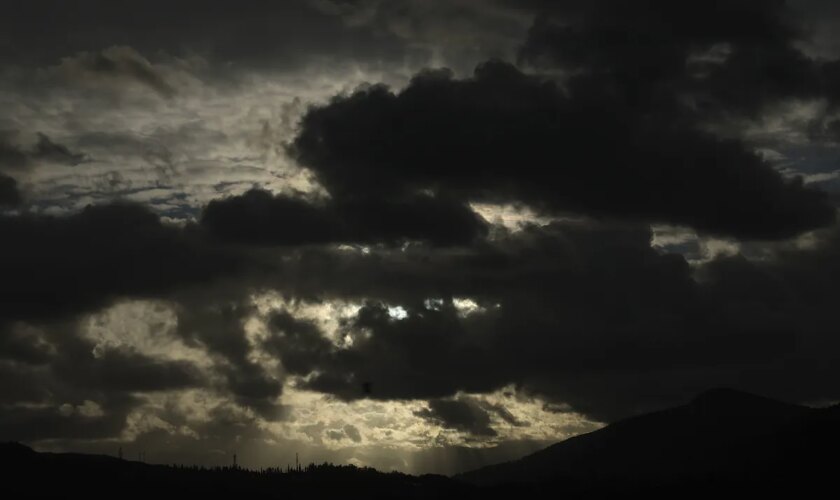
x=721 y=438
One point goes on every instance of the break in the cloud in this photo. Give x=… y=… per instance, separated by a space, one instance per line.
x=271 y=228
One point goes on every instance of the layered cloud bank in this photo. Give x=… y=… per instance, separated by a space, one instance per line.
x=239 y=236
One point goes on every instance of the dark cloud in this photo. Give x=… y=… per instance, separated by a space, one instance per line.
x=9 y=194
x=565 y=296
x=78 y=363
x=459 y=32
x=353 y=433
x=22 y=344
x=259 y=218
x=298 y=344
x=586 y=316
x=335 y=435
x=462 y=414
x=32 y=424
x=118 y=64
x=260 y=34
x=731 y=57
x=58 y=266
x=255 y=389
x=152 y=150
x=506 y=136
x=504 y=414
x=13 y=156
x=214 y=319
x=117 y=371
x=47 y=150
x=21 y=382
x=347 y=432
x=65 y=386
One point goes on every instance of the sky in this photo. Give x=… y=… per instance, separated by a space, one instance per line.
x=418 y=235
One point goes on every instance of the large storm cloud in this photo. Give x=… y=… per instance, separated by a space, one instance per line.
x=504 y=136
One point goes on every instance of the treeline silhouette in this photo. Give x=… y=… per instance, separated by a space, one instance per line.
x=29 y=473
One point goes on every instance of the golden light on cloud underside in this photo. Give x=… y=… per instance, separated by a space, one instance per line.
x=397 y=424
x=310 y=419
x=512 y=217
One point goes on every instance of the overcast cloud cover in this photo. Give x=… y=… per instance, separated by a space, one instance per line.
x=422 y=235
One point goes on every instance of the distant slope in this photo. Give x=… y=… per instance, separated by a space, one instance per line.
x=721 y=437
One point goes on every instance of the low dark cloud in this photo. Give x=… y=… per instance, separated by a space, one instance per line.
x=730 y=56
x=335 y=435
x=214 y=320
x=259 y=218
x=461 y=414
x=66 y=386
x=14 y=156
x=11 y=155
x=504 y=414
x=153 y=150
x=58 y=266
x=565 y=296
x=23 y=345
x=298 y=344
x=586 y=316
x=117 y=371
x=49 y=151
x=9 y=194
x=33 y=424
x=467 y=414
x=118 y=64
x=22 y=383
x=347 y=432
x=353 y=433
x=260 y=34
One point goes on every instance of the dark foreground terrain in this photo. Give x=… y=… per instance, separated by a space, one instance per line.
x=723 y=442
